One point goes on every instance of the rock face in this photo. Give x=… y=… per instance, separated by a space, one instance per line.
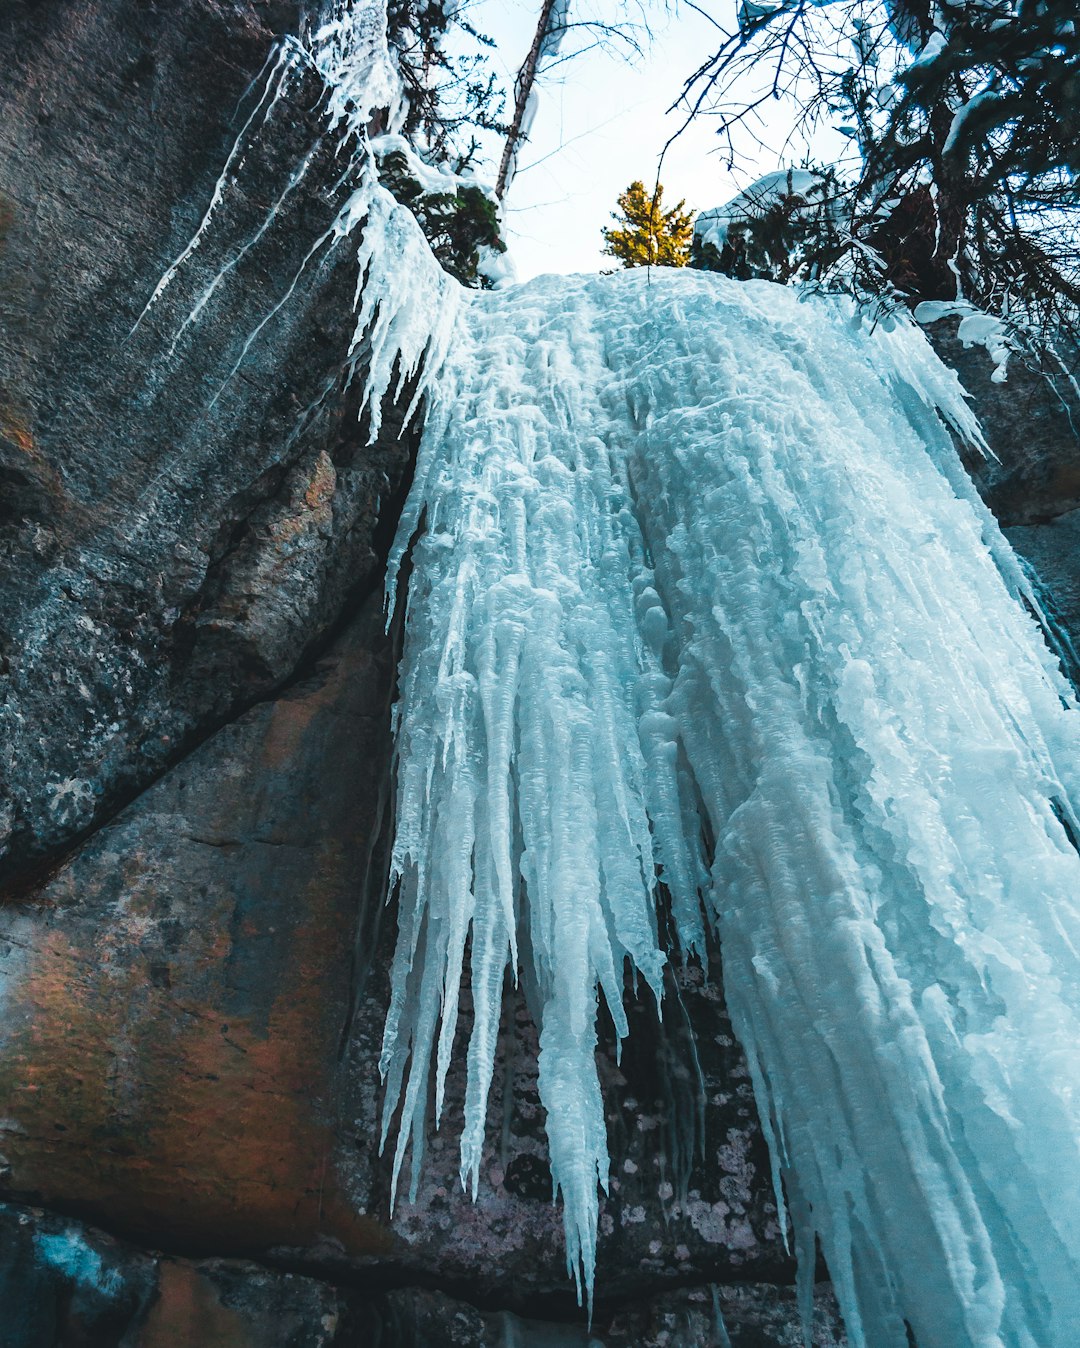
x=70 y=1284
x=193 y=1003
x=1032 y=425
x=1031 y=480
x=178 y=989
x=187 y=505
x=194 y=791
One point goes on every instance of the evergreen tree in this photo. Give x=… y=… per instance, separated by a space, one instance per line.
x=647 y=235
x=963 y=177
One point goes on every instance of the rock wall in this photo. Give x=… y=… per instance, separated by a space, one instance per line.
x=188 y=507
x=1031 y=478
x=193 y=1003
x=68 y=1283
x=194 y=694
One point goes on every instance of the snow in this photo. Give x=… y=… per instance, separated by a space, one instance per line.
x=712 y=226
x=935 y=45
x=976 y=328
x=694 y=551
x=558 y=22
x=350 y=51
x=963 y=112
x=431 y=179
x=497 y=268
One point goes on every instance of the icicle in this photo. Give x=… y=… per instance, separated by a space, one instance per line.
x=349 y=52
x=723 y=1339
x=278 y=71
x=517 y=709
x=405 y=303
x=695 y=545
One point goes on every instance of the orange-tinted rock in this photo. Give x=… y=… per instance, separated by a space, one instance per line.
x=193 y=1007
x=176 y=993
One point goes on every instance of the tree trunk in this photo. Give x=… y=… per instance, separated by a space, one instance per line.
x=523 y=85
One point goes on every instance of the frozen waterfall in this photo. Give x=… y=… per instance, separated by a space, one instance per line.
x=701 y=596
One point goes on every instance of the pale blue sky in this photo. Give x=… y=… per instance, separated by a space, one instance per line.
x=600 y=123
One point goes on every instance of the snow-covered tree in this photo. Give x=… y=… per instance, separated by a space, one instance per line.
x=963 y=118
x=776 y=230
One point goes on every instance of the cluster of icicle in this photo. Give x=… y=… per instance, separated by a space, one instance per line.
x=404 y=302
x=696 y=560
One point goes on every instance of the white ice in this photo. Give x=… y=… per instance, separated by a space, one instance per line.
x=408 y=305
x=687 y=546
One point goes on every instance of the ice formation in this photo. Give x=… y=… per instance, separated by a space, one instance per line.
x=404 y=302
x=701 y=592
x=704 y=612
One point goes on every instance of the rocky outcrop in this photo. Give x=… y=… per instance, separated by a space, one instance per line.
x=79 y=1286
x=193 y=1005
x=187 y=504
x=1032 y=426
x=1031 y=477
x=1052 y=552
x=195 y=769
x=178 y=989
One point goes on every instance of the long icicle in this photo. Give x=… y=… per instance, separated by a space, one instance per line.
x=685 y=541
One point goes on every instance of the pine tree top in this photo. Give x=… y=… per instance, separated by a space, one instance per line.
x=645 y=234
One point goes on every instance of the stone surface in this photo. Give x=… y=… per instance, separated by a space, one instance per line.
x=193 y=1006
x=690 y=1200
x=176 y=993
x=67 y=1285
x=751 y=1315
x=183 y=515
x=1052 y=551
x=1032 y=425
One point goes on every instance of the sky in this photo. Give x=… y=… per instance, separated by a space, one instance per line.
x=600 y=123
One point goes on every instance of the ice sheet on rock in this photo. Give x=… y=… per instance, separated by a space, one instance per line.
x=686 y=540
x=350 y=50
x=404 y=302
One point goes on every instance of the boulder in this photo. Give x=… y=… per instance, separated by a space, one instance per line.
x=68 y=1285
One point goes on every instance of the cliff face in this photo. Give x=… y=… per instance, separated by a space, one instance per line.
x=187 y=510
x=193 y=1007
x=194 y=737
